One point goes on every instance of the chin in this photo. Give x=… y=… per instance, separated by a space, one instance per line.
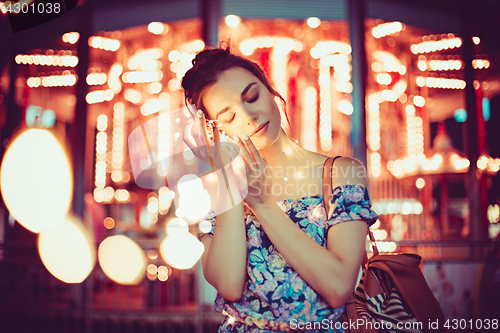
x=266 y=141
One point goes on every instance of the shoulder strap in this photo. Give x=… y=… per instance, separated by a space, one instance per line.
x=327 y=194
x=327 y=182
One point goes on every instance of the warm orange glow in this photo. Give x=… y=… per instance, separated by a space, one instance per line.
x=163 y=273
x=96 y=79
x=313 y=22
x=71 y=37
x=386 y=29
x=109 y=223
x=152 y=269
x=102 y=43
x=122 y=260
x=152 y=254
x=67 y=251
x=432 y=46
x=99 y=96
x=157 y=28
x=65 y=80
x=36 y=180
x=493 y=213
x=122 y=195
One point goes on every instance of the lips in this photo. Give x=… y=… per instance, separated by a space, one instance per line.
x=260 y=128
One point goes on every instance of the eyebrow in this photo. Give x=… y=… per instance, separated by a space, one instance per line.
x=250 y=85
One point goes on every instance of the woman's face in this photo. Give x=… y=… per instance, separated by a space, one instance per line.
x=243 y=105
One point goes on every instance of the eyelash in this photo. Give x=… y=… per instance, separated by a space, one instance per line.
x=255 y=98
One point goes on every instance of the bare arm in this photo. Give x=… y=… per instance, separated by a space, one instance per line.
x=224 y=258
x=332 y=272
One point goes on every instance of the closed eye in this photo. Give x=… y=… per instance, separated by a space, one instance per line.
x=230 y=120
x=253 y=99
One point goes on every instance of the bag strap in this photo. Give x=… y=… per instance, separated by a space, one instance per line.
x=374 y=243
x=327 y=182
x=370 y=281
x=327 y=194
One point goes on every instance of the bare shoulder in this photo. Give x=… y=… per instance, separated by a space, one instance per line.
x=349 y=171
x=315 y=158
x=315 y=162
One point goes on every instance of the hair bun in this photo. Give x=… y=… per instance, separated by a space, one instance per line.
x=208 y=55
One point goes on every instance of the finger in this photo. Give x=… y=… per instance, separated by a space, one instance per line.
x=217 y=149
x=193 y=139
x=215 y=132
x=257 y=157
x=188 y=137
x=203 y=122
x=249 y=162
x=197 y=131
x=238 y=168
x=216 y=138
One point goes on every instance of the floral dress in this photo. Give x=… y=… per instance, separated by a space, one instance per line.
x=276 y=298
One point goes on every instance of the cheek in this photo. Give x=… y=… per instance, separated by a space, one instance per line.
x=237 y=126
x=273 y=106
x=228 y=130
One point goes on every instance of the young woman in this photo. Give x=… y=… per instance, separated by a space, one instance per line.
x=277 y=261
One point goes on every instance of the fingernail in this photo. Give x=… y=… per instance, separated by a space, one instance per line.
x=236 y=138
x=200 y=113
x=245 y=137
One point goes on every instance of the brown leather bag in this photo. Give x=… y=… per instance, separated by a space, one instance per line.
x=392 y=295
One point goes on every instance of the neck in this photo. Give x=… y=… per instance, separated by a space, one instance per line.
x=280 y=150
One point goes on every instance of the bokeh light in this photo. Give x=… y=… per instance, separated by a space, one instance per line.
x=181 y=250
x=232 y=21
x=313 y=22
x=156 y=28
x=67 y=251
x=36 y=180
x=122 y=260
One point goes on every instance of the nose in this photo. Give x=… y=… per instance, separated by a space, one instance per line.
x=251 y=115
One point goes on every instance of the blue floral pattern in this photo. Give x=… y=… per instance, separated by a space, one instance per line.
x=275 y=296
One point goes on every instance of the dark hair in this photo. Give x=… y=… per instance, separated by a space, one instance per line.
x=208 y=65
